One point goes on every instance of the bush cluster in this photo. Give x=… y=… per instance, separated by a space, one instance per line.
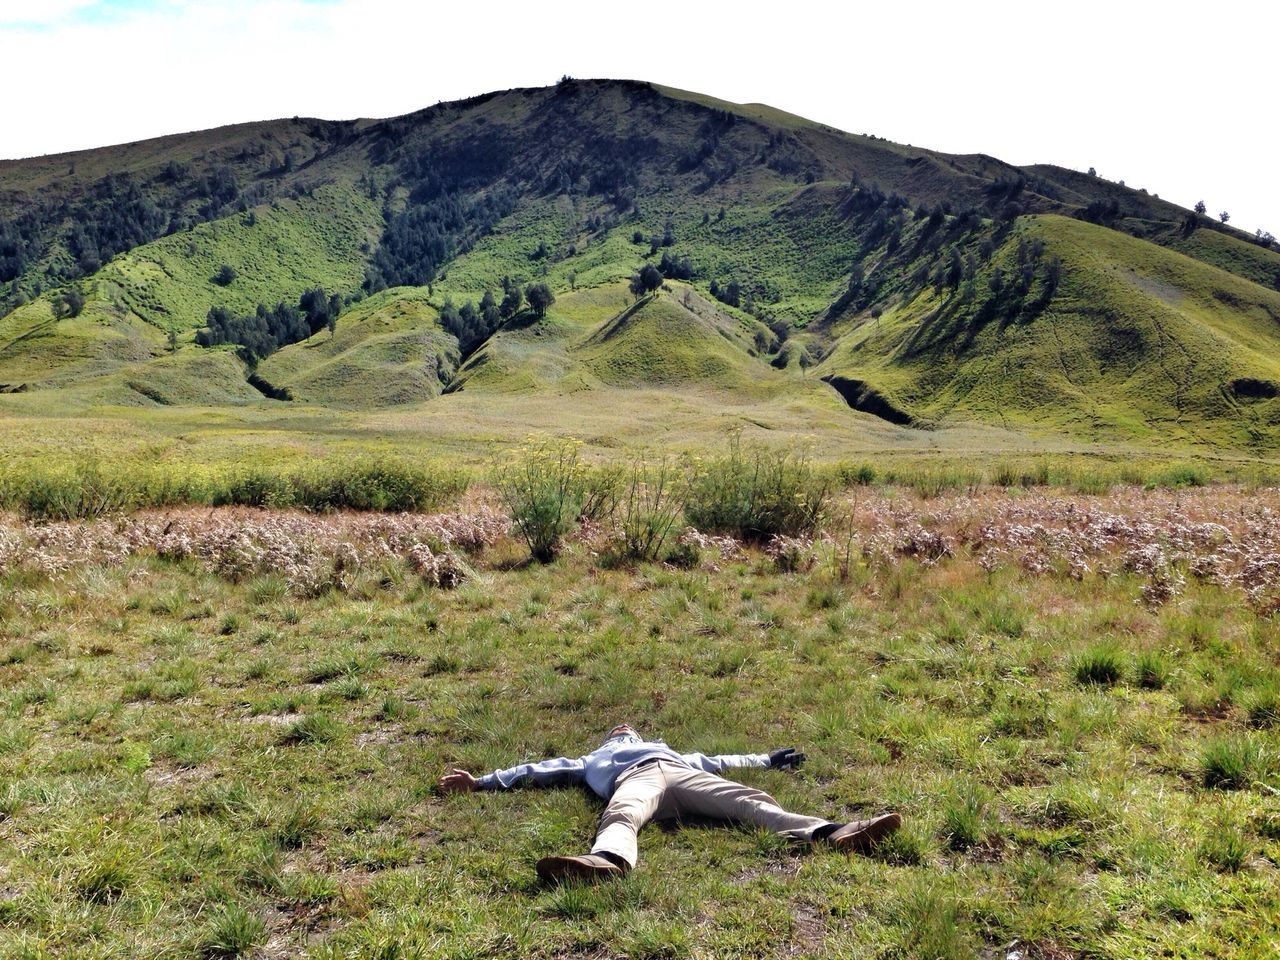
x=91 y=489
x=752 y=494
x=755 y=494
x=549 y=491
x=271 y=328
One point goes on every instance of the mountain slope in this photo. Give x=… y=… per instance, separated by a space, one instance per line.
x=388 y=350
x=928 y=289
x=1135 y=340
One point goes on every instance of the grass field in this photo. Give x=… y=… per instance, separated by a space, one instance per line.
x=219 y=732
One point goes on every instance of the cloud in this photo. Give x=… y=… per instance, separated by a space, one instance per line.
x=46 y=14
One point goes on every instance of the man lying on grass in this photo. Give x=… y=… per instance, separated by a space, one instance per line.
x=645 y=779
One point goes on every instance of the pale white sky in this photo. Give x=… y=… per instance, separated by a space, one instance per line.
x=1176 y=97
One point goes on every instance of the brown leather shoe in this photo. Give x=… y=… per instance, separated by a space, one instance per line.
x=588 y=868
x=861 y=835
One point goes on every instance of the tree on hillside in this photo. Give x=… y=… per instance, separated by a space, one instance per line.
x=512 y=302
x=676 y=269
x=225 y=276
x=540 y=297
x=468 y=316
x=489 y=312
x=320 y=309
x=449 y=317
x=1224 y=216
x=646 y=281
x=954 y=270
x=72 y=303
x=1200 y=208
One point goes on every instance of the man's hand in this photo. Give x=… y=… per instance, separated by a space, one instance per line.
x=456 y=781
x=785 y=757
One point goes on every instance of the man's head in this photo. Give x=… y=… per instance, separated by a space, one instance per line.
x=622 y=730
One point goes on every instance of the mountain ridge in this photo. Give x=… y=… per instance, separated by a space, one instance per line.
x=895 y=267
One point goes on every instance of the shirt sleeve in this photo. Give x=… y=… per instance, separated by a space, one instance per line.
x=725 y=761
x=544 y=773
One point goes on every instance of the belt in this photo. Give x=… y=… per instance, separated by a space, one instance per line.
x=647 y=761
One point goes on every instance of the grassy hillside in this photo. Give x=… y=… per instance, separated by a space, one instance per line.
x=1135 y=340
x=277 y=251
x=38 y=350
x=387 y=350
x=670 y=339
x=890 y=265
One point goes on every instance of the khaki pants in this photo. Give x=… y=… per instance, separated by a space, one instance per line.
x=666 y=789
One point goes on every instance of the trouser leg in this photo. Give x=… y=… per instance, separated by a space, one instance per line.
x=707 y=795
x=633 y=804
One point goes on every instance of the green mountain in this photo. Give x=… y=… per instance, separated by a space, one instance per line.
x=853 y=286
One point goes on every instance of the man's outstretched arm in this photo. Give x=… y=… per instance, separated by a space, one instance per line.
x=544 y=773
x=784 y=757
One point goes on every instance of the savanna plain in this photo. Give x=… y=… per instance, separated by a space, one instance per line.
x=221 y=725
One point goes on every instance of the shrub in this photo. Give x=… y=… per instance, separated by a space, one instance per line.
x=381 y=484
x=255 y=487
x=225 y=276
x=651 y=502
x=928 y=483
x=88 y=489
x=547 y=493
x=683 y=555
x=1100 y=666
x=1182 y=475
x=1020 y=475
x=756 y=494
x=83 y=491
x=856 y=474
x=791 y=554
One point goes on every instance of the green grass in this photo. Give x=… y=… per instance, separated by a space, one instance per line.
x=172 y=787
x=1102 y=666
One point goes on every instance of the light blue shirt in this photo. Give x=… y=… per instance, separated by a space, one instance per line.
x=601 y=768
